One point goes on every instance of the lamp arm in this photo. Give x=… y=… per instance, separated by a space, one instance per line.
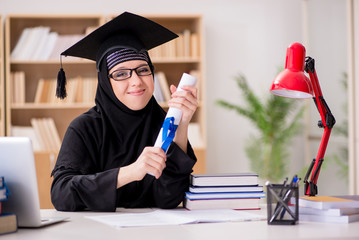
x=327 y=122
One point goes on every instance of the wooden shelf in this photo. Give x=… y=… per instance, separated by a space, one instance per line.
x=72 y=60
x=186 y=26
x=2 y=85
x=46 y=69
x=44 y=106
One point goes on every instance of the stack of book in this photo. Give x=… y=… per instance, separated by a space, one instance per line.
x=162 y=90
x=42 y=132
x=185 y=46
x=224 y=191
x=8 y=221
x=17 y=81
x=335 y=209
x=80 y=90
x=41 y=44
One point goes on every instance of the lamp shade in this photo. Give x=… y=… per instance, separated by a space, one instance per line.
x=292 y=82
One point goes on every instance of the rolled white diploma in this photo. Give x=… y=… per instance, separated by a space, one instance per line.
x=173 y=117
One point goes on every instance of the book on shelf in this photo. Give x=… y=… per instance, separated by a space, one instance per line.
x=194 y=38
x=42 y=132
x=224 y=179
x=17 y=85
x=328 y=202
x=164 y=85
x=63 y=42
x=186 y=43
x=80 y=90
x=27 y=131
x=185 y=46
x=28 y=42
x=230 y=203
x=8 y=223
x=162 y=90
x=46 y=133
x=40 y=44
x=157 y=90
x=224 y=195
x=45 y=91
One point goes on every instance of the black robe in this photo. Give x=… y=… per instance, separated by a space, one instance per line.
x=107 y=137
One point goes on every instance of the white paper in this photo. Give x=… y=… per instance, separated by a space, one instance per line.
x=175 y=217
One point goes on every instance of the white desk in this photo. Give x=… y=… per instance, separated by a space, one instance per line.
x=79 y=227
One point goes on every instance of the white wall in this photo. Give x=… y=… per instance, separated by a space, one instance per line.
x=327 y=44
x=242 y=36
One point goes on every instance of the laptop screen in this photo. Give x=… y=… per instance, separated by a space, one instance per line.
x=17 y=166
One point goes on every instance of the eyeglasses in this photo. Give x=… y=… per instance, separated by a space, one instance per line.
x=124 y=74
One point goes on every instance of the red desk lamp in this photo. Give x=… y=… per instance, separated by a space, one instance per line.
x=293 y=83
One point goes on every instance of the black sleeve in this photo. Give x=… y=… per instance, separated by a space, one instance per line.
x=169 y=190
x=76 y=185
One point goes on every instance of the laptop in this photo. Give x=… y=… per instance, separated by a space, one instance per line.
x=17 y=165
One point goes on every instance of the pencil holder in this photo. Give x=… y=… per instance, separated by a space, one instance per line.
x=282 y=204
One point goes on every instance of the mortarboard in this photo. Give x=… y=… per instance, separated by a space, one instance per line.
x=125 y=31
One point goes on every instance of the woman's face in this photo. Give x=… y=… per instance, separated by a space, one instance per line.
x=136 y=91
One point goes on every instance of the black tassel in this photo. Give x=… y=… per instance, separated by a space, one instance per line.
x=61 y=85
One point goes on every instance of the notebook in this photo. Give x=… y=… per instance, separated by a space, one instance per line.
x=17 y=165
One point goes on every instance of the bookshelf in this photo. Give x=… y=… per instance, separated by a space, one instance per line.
x=21 y=110
x=2 y=81
x=185 y=54
x=21 y=89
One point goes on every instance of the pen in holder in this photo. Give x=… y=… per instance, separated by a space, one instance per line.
x=282 y=203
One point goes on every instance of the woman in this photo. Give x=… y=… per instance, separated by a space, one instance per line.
x=106 y=159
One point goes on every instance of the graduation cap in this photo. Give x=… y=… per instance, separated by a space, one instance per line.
x=125 y=31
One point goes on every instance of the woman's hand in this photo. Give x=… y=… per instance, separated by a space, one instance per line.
x=152 y=161
x=185 y=100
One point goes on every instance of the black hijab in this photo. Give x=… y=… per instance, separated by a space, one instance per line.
x=125 y=132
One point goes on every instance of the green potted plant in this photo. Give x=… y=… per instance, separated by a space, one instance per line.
x=277 y=120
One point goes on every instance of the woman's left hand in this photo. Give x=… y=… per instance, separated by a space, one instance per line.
x=185 y=100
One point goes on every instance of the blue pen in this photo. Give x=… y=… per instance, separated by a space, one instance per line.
x=281 y=194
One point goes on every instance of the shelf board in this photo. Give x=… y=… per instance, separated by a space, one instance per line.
x=165 y=105
x=52 y=61
x=74 y=61
x=23 y=106
x=175 y=60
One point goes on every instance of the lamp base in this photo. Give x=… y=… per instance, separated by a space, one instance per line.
x=310 y=188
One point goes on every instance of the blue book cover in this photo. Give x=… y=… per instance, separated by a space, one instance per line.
x=224 y=195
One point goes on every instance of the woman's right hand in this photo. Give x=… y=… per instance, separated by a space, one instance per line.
x=152 y=161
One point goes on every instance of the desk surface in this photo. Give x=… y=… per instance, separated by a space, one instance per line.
x=79 y=227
